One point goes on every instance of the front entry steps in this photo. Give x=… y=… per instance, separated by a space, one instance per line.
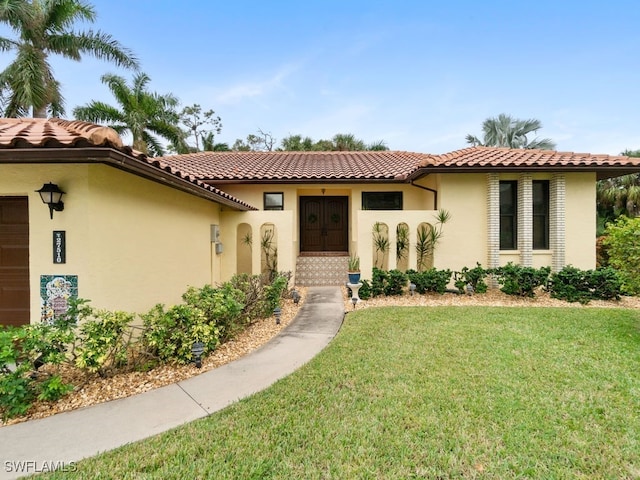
x=316 y=271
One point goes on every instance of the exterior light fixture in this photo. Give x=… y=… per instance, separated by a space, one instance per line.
x=354 y=300
x=412 y=288
x=197 y=349
x=51 y=195
x=277 y=312
x=296 y=296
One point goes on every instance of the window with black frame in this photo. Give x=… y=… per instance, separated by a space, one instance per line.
x=508 y=215
x=382 y=200
x=274 y=201
x=540 y=214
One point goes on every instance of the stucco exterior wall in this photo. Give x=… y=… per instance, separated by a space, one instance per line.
x=464 y=239
x=581 y=220
x=131 y=242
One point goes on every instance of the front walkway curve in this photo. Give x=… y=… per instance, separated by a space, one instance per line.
x=71 y=436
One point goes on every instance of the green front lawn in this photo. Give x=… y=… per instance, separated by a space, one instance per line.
x=438 y=393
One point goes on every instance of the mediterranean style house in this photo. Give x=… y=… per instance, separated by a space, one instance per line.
x=127 y=231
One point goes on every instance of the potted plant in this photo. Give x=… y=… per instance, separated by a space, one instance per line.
x=353 y=269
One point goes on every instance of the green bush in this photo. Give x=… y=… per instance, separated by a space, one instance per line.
x=170 y=334
x=104 y=342
x=521 y=281
x=575 y=285
x=221 y=306
x=379 y=279
x=431 y=280
x=474 y=277
x=260 y=295
x=623 y=247
x=396 y=283
x=22 y=351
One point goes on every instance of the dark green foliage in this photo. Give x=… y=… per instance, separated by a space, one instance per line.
x=575 y=285
x=379 y=279
x=623 y=246
x=396 y=283
x=521 y=281
x=471 y=276
x=431 y=280
x=22 y=351
x=365 y=290
x=17 y=393
x=388 y=283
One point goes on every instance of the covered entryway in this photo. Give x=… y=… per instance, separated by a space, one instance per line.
x=324 y=224
x=14 y=261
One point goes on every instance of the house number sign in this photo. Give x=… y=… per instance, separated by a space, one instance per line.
x=59 y=246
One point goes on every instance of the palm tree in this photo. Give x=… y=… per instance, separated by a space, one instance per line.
x=620 y=195
x=506 y=131
x=142 y=114
x=27 y=84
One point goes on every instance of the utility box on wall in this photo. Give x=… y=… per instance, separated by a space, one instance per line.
x=215 y=238
x=215 y=233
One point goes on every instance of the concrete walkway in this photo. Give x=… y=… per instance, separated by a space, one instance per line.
x=62 y=439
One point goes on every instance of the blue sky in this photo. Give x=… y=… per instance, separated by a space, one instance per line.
x=419 y=75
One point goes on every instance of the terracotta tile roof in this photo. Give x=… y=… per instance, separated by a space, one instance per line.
x=488 y=159
x=506 y=157
x=38 y=133
x=297 y=166
x=392 y=166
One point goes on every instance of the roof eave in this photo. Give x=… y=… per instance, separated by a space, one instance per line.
x=600 y=171
x=117 y=159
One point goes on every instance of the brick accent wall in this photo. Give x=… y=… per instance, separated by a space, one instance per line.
x=557 y=227
x=525 y=219
x=493 y=222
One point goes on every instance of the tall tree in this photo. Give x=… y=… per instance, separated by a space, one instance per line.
x=339 y=142
x=201 y=126
x=619 y=196
x=28 y=85
x=260 y=142
x=142 y=114
x=506 y=131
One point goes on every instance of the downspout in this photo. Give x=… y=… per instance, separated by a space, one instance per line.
x=435 y=192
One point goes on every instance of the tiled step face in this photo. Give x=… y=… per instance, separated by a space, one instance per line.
x=321 y=271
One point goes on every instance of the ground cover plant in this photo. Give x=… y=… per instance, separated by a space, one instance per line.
x=86 y=342
x=443 y=392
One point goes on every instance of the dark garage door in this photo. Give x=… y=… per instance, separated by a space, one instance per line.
x=14 y=261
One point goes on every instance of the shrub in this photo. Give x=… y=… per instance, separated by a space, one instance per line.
x=169 y=334
x=379 y=279
x=521 y=281
x=104 y=342
x=623 y=247
x=474 y=277
x=431 y=280
x=221 y=306
x=22 y=351
x=260 y=295
x=396 y=282
x=575 y=285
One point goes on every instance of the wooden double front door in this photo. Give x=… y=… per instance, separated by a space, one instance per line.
x=14 y=261
x=324 y=224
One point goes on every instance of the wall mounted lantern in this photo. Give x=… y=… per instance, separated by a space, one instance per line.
x=51 y=195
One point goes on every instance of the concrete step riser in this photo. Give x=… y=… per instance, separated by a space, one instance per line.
x=321 y=271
